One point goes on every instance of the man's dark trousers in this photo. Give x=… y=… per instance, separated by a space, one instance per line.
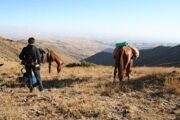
x=29 y=68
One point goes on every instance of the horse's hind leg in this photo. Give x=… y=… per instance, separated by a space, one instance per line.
x=115 y=71
x=120 y=77
x=120 y=74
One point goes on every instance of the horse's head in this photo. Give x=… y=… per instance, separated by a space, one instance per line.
x=135 y=52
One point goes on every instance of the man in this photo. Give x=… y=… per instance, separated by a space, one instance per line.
x=31 y=58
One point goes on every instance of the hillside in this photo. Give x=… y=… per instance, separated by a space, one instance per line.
x=101 y=58
x=89 y=93
x=158 y=56
x=75 y=48
x=9 y=50
x=70 y=49
x=161 y=55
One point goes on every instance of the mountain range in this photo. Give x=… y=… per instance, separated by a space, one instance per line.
x=158 y=56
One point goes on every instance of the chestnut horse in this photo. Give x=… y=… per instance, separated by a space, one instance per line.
x=124 y=60
x=51 y=56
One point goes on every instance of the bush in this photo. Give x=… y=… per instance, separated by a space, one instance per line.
x=81 y=64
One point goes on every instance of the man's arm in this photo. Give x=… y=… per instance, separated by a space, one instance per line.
x=38 y=56
x=22 y=54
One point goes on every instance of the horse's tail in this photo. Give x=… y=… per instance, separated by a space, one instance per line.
x=121 y=61
x=127 y=61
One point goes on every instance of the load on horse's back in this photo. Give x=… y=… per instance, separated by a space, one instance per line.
x=51 y=56
x=123 y=56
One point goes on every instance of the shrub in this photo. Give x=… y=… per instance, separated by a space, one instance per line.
x=81 y=64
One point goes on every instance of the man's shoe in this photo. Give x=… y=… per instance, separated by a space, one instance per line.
x=43 y=91
x=31 y=89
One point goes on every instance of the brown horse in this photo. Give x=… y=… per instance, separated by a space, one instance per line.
x=124 y=60
x=51 y=56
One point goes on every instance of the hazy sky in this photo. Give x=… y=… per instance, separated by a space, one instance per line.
x=123 y=19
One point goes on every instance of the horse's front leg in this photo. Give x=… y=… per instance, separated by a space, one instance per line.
x=128 y=70
x=58 y=68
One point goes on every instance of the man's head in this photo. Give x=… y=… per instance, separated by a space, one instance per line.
x=31 y=40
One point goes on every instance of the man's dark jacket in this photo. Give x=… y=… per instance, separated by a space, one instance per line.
x=30 y=54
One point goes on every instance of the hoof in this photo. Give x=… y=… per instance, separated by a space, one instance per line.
x=114 y=80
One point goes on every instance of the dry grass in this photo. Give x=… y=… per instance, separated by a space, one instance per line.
x=8 y=107
x=88 y=93
x=154 y=70
x=172 y=83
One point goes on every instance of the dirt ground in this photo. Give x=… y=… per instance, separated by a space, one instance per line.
x=89 y=93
